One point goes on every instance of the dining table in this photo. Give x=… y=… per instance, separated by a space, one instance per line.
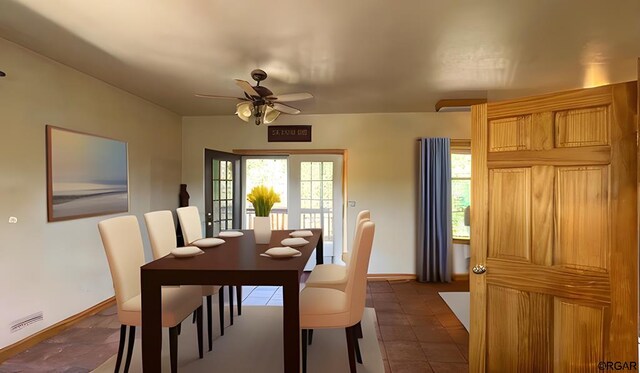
x=235 y=262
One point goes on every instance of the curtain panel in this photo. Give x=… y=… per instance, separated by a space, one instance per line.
x=434 y=211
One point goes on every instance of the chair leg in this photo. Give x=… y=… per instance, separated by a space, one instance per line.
x=304 y=350
x=179 y=326
x=221 y=309
x=123 y=335
x=351 y=348
x=310 y=337
x=359 y=330
x=209 y=322
x=173 y=349
x=239 y=298
x=199 y=323
x=355 y=339
x=132 y=339
x=231 y=304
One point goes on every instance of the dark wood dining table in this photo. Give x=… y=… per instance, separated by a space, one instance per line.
x=235 y=262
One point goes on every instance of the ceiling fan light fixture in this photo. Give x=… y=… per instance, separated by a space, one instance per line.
x=270 y=114
x=243 y=111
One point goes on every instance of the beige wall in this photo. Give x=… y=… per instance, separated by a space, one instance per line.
x=382 y=166
x=60 y=268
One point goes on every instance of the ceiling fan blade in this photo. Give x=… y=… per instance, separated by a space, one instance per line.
x=247 y=87
x=285 y=108
x=201 y=95
x=291 y=97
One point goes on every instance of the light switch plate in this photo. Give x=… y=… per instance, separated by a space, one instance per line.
x=352 y=203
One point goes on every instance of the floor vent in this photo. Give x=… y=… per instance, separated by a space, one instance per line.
x=26 y=321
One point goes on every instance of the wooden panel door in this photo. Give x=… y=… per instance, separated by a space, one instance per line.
x=554 y=232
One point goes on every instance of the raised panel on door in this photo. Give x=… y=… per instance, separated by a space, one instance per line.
x=582 y=127
x=508 y=134
x=509 y=213
x=582 y=210
x=554 y=221
x=578 y=337
x=507 y=330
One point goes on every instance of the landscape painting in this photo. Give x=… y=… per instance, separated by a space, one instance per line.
x=87 y=175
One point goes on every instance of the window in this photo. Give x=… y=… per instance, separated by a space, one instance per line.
x=460 y=192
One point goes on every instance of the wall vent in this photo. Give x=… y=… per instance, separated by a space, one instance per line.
x=26 y=321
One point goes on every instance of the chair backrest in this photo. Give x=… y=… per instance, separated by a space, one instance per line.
x=356 y=288
x=190 y=224
x=122 y=243
x=162 y=232
x=364 y=215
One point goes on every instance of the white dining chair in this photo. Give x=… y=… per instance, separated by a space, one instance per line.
x=327 y=308
x=123 y=246
x=162 y=235
x=191 y=226
x=335 y=275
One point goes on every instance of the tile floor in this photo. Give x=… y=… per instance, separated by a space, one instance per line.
x=417 y=332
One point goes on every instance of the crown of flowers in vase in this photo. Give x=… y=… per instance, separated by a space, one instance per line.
x=263 y=199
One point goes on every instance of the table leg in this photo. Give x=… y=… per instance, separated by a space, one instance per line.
x=291 y=325
x=320 y=251
x=151 y=324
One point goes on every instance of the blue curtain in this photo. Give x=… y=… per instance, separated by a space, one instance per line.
x=434 y=211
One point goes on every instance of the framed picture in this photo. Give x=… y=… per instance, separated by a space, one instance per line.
x=87 y=175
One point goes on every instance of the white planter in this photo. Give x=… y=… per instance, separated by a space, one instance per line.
x=262 y=229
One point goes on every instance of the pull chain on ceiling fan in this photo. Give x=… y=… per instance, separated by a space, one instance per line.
x=259 y=102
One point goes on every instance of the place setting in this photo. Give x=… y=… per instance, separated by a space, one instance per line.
x=287 y=249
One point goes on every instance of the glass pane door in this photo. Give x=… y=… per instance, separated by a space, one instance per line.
x=316 y=198
x=222 y=190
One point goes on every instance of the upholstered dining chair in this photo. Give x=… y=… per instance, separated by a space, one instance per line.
x=162 y=235
x=123 y=246
x=335 y=275
x=191 y=225
x=327 y=308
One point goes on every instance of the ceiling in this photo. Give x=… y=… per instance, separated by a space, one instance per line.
x=353 y=56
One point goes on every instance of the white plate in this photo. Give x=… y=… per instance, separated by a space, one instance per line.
x=186 y=252
x=301 y=234
x=282 y=252
x=230 y=234
x=294 y=242
x=204 y=243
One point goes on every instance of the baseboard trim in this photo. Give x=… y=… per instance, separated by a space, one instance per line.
x=32 y=340
x=391 y=277
x=461 y=277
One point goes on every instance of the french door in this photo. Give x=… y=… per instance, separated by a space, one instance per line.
x=310 y=187
x=222 y=191
x=315 y=195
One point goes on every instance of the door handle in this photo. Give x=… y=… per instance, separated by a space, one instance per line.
x=479 y=269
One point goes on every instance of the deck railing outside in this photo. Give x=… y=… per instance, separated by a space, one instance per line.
x=309 y=218
x=279 y=218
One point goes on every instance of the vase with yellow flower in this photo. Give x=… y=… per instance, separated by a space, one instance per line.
x=262 y=199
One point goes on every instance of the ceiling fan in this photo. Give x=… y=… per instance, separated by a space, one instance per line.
x=259 y=102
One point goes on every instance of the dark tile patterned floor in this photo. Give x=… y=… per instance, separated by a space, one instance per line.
x=416 y=330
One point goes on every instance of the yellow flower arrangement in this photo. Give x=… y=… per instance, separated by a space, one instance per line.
x=263 y=199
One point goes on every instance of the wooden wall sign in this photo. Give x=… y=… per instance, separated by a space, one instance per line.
x=289 y=134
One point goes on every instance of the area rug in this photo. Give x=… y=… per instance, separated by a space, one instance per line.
x=254 y=344
x=460 y=304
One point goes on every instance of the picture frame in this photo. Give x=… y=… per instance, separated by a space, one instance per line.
x=87 y=175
